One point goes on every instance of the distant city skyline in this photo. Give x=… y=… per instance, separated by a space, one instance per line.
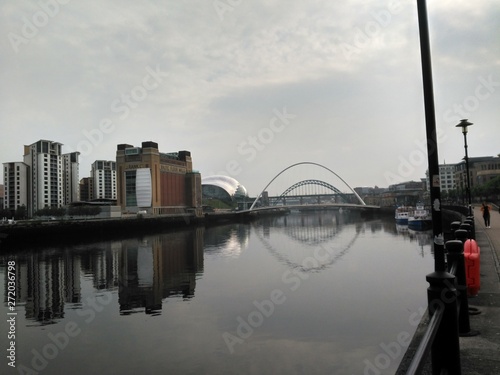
x=93 y=172
x=251 y=87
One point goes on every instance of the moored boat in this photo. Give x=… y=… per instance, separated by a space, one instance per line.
x=401 y=215
x=420 y=218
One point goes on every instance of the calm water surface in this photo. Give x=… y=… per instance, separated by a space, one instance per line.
x=316 y=293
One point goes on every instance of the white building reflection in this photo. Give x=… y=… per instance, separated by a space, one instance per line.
x=159 y=267
x=46 y=281
x=227 y=240
x=144 y=272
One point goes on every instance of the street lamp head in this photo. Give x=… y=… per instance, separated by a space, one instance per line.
x=464 y=124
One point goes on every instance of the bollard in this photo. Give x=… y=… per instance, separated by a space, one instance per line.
x=445 y=350
x=456 y=255
x=462 y=235
x=455 y=225
x=468 y=228
x=470 y=220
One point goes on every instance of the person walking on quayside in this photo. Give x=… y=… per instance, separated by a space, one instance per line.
x=486 y=215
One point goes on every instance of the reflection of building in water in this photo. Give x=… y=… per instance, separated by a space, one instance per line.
x=158 y=267
x=229 y=240
x=102 y=264
x=45 y=283
x=424 y=239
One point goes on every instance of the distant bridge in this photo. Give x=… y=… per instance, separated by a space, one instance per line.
x=309 y=183
x=305 y=197
x=321 y=206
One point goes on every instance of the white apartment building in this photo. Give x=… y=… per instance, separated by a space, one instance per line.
x=447 y=176
x=103 y=175
x=45 y=161
x=45 y=178
x=15 y=176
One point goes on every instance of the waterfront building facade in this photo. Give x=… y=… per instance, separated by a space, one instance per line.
x=86 y=189
x=159 y=183
x=407 y=193
x=15 y=177
x=45 y=178
x=103 y=178
x=487 y=169
x=447 y=177
x=481 y=171
x=70 y=178
x=45 y=162
x=225 y=189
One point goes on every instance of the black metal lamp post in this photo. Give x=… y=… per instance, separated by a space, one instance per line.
x=464 y=124
x=445 y=350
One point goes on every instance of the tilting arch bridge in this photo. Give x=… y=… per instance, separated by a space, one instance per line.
x=361 y=202
x=312 y=182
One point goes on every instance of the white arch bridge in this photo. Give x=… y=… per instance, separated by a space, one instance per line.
x=310 y=194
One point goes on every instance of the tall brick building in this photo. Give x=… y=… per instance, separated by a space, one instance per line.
x=159 y=183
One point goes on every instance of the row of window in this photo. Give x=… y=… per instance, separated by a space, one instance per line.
x=489 y=167
x=130 y=192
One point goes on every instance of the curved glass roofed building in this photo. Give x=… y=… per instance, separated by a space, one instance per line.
x=224 y=188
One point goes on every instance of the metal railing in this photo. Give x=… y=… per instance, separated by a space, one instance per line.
x=448 y=310
x=418 y=362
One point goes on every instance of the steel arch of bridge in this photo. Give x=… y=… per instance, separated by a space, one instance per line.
x=307 y=163
x=311 y=182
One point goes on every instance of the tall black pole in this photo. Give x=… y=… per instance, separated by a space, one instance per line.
x=432 y=149
x=445 y=350
x=469 y=199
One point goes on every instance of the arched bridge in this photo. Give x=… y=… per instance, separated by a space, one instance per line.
x=307 y=193
x=302 y=193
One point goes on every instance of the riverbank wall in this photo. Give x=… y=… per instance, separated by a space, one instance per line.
x=50 y=232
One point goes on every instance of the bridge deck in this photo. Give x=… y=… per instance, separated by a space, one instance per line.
x=316 y=206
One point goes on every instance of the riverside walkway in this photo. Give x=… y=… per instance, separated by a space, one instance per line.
x=481 y=354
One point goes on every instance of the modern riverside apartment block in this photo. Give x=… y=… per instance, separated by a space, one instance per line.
x=45 y=178
x=15 y=177
x=103 y=179
x=45 y=162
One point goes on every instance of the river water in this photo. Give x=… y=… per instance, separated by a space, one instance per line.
x=318 y=293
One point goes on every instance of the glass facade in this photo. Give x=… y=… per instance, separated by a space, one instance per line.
x=224 y=188
x=130 y=191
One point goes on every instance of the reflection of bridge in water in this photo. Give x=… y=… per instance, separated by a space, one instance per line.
x=312 y=230
x=314 y=242
x=311 y=194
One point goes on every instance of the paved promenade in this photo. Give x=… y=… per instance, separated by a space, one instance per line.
x=481 y=354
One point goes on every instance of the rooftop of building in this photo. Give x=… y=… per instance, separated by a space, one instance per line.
x=135 y=150
x=232 y=186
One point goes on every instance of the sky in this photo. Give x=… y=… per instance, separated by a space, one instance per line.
x=252 y=87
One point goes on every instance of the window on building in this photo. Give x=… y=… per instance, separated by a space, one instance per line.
x=130 y=192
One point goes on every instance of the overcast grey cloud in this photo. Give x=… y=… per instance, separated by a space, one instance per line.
x=211 y=76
